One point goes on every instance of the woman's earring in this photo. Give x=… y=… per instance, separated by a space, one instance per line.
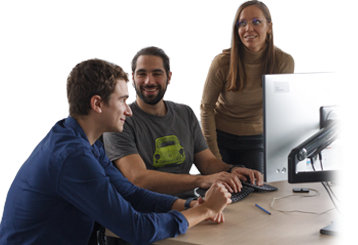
x=268 y=38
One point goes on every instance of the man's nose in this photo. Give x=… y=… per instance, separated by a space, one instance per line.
x=149 y=79
x=128 y=112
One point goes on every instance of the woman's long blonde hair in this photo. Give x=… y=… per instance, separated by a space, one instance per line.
x=237 y=74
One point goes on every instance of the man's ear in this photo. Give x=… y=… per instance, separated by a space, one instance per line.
x=169 y=76
x=133 y=84
x=96 y=103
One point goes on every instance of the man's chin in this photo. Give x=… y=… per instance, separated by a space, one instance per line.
x=151 y=101
x=120 y=128
x=117 y=129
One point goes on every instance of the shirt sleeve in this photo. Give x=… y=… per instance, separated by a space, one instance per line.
x=88 y=186
x=199 y=140
x=154 y=201
x=212 y=88
x=120 y=144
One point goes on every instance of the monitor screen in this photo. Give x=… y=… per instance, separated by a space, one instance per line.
x=292 y=105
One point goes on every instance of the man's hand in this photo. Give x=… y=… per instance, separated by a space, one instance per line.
x=216 y=199
x=229 y=180
x=246 y=174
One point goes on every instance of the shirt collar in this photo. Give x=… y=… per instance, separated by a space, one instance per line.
x=71 y=123
x=135 y=107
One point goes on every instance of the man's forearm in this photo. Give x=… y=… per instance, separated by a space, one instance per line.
x=133 y=167
x=215 y=166
x=207 y=163
x=167 y=183
x=197 y=214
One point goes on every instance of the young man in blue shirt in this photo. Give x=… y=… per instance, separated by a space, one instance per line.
x=68 y=183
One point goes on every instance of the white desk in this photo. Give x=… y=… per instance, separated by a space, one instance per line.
x=246 y=224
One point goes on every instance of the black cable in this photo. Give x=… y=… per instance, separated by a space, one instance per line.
x=332 y=192
x=312 y=163
x=320 y=160
x=325 y=184
x=330 y=195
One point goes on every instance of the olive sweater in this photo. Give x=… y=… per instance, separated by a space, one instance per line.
x=236 y=112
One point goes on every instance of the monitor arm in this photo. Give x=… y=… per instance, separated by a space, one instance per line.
x=310 y=148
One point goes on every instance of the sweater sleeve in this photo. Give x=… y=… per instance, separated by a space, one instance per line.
x=84 y=183
x=214 y=84
x=285 y=62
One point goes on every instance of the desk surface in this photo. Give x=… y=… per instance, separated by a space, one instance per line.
x=246 y=224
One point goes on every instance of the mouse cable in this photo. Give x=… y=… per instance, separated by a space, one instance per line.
x=316 y=193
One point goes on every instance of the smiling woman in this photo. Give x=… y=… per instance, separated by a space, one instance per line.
x=254 y=28
x=231 y=106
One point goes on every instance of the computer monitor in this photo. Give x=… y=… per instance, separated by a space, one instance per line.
x=292 y=105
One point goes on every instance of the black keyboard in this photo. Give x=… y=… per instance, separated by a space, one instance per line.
x=235 y=197
x=263 y=188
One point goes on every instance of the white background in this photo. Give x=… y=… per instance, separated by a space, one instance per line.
x=41 y=41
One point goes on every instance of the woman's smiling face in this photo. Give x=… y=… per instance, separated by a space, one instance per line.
x=253 y=28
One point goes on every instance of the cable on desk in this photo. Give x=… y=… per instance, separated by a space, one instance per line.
x=316 y=193
x=326 y=185
x=330 y=194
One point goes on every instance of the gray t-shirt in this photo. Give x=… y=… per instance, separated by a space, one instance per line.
x=165 y=143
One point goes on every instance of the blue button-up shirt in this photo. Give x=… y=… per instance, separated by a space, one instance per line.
x=66 y=184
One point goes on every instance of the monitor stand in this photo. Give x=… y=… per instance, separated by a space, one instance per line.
x=331 y=229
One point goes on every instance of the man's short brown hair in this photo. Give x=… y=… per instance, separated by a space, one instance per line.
x=89 y=78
